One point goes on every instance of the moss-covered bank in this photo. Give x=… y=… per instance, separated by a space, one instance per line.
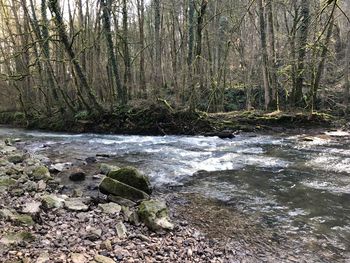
x=162 y=119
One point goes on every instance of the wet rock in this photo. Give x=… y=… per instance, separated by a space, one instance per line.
x=155 y=215
x=76 y=204
x=121 y=230
x=77 y=174
x=106 y=168
x=103 y=259
x=114 y=187
x=41 y=173
x=16 y=238
x=52 y=201
x=110 y=208
x=16 y=158
x=58 y=167
x=132 y=177
x=121 y=201
x=91 y=160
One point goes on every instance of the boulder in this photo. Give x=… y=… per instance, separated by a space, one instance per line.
x=106 y=168
x=78 y=258
x=155 y=215
x=132 y=177
x=41 y=173
x=77 y=174
x=110 y=208
x=114 y=187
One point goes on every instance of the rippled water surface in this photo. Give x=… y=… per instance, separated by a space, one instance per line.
x=298 y=185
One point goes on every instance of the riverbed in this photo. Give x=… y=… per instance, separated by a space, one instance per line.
x=297 y=186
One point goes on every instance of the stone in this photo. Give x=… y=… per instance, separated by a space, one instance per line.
x=41 y=185
x=110 y=208
x=16 y=238
x=132 y=177
x=6 y=181
x=107 y=245
x=77 y=174
x=30 y=186
x=103 y=259
x=91 y=160
x=155 y=215
x=106 y=168
x=16 y=158
x=41 y=173
x=52 y=201
x=32 y=208
x=23 y=220
x=121 y=201
x=134 y=218
x=76 y=204
x=43 y=258
x=114 y=187
x=78 y=258
x=121 y=230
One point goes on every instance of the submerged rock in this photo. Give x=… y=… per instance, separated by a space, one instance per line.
x=155 y=215
x=114 y=187
x=132 y=177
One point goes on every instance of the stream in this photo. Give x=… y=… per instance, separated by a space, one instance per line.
x=295 y=184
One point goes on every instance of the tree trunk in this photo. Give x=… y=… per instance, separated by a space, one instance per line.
x=141 y=18
x=121 y=92
x=56 y=13
x=347 y=75
x=127 y=61
x=265 y=69
x=158 y=59
x=297 y=93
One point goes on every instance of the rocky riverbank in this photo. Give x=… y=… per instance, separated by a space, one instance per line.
x=41 y=224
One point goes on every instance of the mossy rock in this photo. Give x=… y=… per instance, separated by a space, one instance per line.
x=155 y=215
x=114 y=187
x=16 y=158
x=132 y=177
x=52 y=201
x=106 y=168
x=41 y=173
x=16 y=238
x=6 y=181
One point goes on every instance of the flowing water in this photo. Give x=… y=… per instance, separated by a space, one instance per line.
x=297 y=185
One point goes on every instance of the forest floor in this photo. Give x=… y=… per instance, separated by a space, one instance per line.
x=162 y=119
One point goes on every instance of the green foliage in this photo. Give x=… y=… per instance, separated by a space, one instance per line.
x=82 y=115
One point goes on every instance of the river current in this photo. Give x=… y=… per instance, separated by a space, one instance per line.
x=295 y=183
